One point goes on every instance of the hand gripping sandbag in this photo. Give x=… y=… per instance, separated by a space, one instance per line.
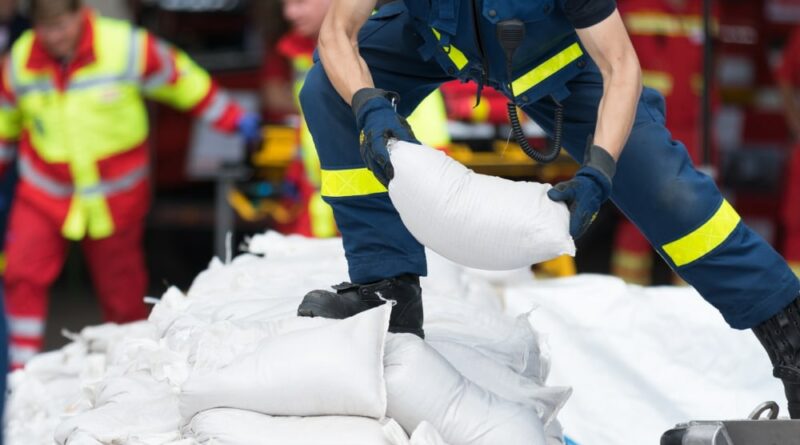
x=336 y=369
x=422 y=386
x=476 y=220
x=225 y=426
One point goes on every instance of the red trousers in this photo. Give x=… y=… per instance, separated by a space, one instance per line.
x=35 y=251
x=791 y=212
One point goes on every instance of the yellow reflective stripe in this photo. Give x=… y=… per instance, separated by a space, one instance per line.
x=658 y=80
x=659 y=23
x=708 y=237
x=455 y=55
x=353 y=182
x=547 y=69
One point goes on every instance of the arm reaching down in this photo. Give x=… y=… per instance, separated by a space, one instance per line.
x=374 y=109
x=608 y=44
x=338 y=46
x=610 y=47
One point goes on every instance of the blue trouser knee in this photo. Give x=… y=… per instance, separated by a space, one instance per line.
x=377 y=244
x=680 y=210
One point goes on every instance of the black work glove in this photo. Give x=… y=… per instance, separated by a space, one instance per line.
x=588 y=190
x=378 y=122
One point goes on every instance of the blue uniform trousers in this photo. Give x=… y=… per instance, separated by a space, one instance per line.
x=679 y=209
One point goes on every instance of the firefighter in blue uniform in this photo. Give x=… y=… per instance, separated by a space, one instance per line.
x=574 y=58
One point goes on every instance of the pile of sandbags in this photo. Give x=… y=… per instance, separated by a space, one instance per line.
x=230 y=363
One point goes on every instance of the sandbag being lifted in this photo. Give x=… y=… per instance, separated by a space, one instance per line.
x=476 y=220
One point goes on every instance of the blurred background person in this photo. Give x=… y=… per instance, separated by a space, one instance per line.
x=288 y=59
x=73 y=92
x=668 y=37
x=12 y=24
x=117 y=9
x=788 y=77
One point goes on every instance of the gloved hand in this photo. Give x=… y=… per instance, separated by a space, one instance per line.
x=588 y=190
x=249 y=126
x=378 y=122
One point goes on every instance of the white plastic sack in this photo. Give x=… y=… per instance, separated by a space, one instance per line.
x=336 y=369
x=226 y=426
x=423 y=386
x=503 y=382
x=129 y=409
x=476 y=220
x=425 y=434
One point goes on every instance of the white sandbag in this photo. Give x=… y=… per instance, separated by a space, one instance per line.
x=134 y=408
x=502 y=381
x=476 y=220
x=336 y=369
x=422 y=386
x=425 y=434
x=226 y=426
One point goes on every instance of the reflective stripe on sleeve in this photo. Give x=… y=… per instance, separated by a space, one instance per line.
x=704 y=239
x=216 y=108
x=167 y=71
x=349 y=183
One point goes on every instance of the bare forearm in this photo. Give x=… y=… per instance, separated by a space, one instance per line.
x=338 y=50
x=610 y=47
x=622 y=88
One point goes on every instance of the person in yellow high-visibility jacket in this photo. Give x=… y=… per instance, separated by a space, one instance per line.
x=72 y=98
x=291 y=58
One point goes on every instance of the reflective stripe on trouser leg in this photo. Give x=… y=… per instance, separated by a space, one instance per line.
x=680 y=210
x=26 y=335
x=35 y=251
x=376 y=242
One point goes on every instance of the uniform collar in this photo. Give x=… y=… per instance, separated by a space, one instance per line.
x=40 y=59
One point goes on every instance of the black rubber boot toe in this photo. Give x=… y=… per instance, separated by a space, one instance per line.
x=403 y=292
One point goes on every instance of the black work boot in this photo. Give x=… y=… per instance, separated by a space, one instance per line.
x=350 y=299
x=780 y=336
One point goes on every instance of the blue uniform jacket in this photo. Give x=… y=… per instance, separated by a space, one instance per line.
x=549 y=56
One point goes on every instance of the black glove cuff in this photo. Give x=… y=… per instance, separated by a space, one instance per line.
x=601 y=160
x=364 y=95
